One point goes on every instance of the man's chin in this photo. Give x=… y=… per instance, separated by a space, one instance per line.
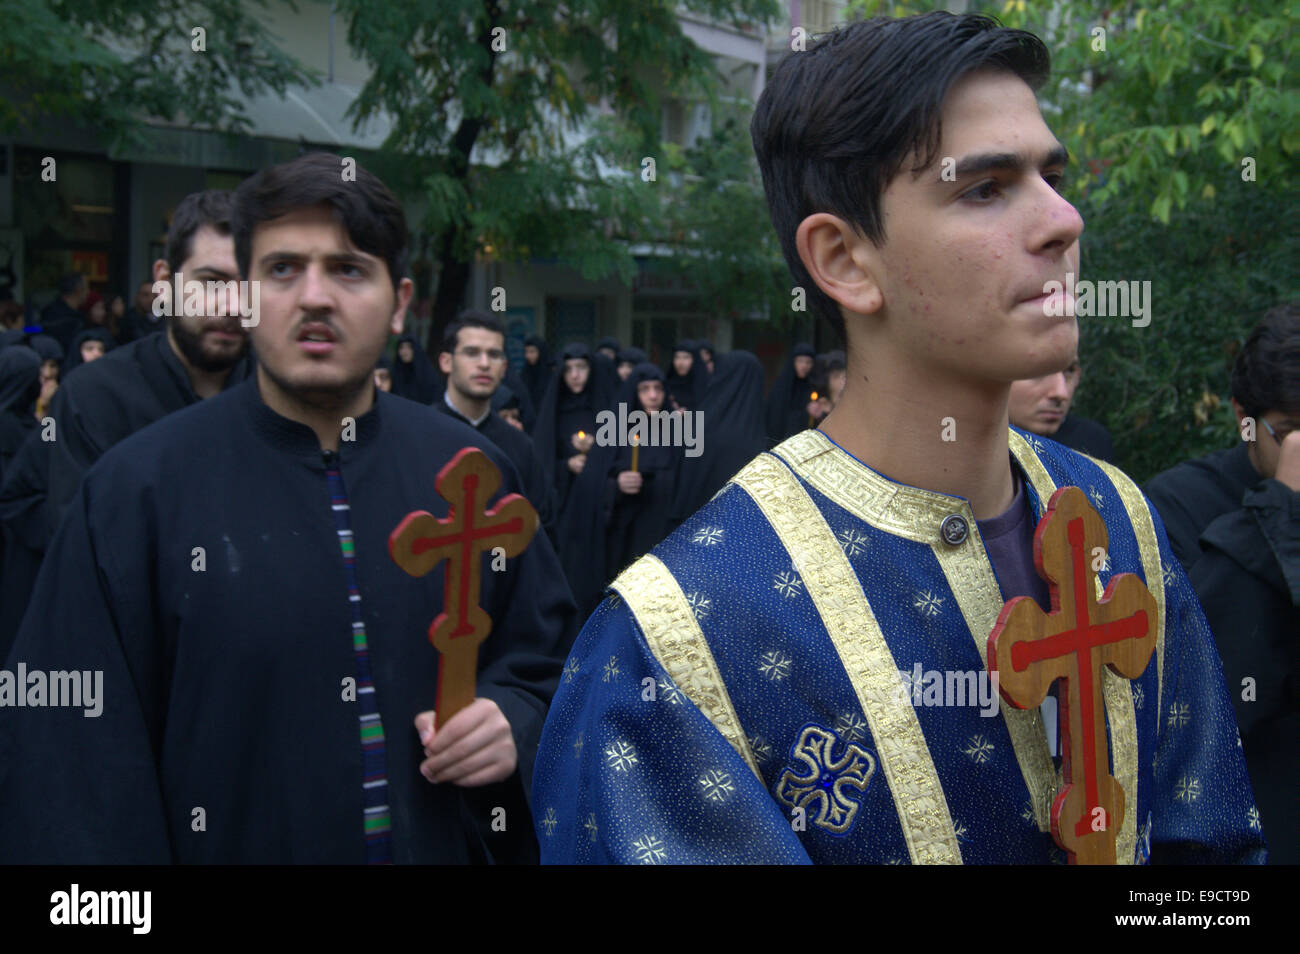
x=220 y=356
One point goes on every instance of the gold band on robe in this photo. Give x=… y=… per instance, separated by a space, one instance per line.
x=1144 y=529
x=675 y=639
x=1116 y=690
x=904 y=757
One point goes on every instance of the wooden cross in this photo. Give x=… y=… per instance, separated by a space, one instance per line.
x=1030 y=649
x=421 y=541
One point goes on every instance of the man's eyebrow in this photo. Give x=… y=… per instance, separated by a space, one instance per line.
x=210 y=270
x=1009 y=161
x=339 y=258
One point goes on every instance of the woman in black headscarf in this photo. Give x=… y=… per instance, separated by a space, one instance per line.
x=414 y=376
x=581 y=387
x=734 y=433
x=628 y=359
x=94 y=340
x=787 y=404
x=20 y=384
x=641 y=501
x=685 y=377
x=538 y=368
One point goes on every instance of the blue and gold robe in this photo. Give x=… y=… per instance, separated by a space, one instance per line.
x=741 y=695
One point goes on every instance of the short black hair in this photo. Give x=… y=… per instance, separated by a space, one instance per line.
x=470 y=318
x=836 y=123
x=210 y=208
x=1266 y=373
x=70 y=282
x=364 y=206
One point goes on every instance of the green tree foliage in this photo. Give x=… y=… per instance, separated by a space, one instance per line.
x=110 y=65
x=491 y=104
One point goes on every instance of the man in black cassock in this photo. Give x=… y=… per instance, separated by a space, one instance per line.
x=267 y=678
x=128 y=389
x=1233 y=519
x=61 y=319
x=473 y=360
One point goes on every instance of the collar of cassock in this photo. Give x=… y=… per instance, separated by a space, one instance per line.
x=294 y=439
x=910 y=512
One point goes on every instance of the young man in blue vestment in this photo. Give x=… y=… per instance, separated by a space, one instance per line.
x=798 y=673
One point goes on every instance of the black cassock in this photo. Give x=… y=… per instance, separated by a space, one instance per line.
x=1238 y=537
x=225 y=688
x=103 y=403
x=638 y=522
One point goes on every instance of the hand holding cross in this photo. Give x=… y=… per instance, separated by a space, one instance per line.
x=1029 y=649
x=421 y=541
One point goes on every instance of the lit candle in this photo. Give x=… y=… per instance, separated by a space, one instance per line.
x=636 y=446
x=810 y=417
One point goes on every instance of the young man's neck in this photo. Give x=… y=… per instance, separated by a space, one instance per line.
x=470 y=408
x=206 y=384
x=325 y=418
x=944 y=435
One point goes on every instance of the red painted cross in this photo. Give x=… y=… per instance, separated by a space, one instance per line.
x=1030 y=649
x=421 y=541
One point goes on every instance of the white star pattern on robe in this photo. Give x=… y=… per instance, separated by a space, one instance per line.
x=928 y=604
x=701 y=606
x=620 y=755
x=1187 y=790
x=775 y=665
x=716 y=786
x=787 y=583
x=978 y=749
x=649 y=850
x=707 y=536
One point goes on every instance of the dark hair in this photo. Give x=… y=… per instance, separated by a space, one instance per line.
x=1266 y=374
x=70 y=282
x=210 y=208
x=835 y=124
x=469 y=318
x=367 y=210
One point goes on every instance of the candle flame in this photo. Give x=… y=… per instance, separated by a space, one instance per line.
x=636 y=438
x=814 y=397
x=582 y=435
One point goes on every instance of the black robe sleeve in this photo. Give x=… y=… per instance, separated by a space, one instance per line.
x=75 y=786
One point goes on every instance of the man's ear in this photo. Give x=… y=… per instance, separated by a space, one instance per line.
x=444 y=362
x=1238 y=410
x=405 y=288
x=842 y=262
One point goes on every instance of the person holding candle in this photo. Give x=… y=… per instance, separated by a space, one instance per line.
x=642 y=482
x=582 y=386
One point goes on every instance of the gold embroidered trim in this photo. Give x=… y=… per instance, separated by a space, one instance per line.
x=1144 y=529
x=675 y=638
x=908 y=512
x=1124 y=736
x=904 y=757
